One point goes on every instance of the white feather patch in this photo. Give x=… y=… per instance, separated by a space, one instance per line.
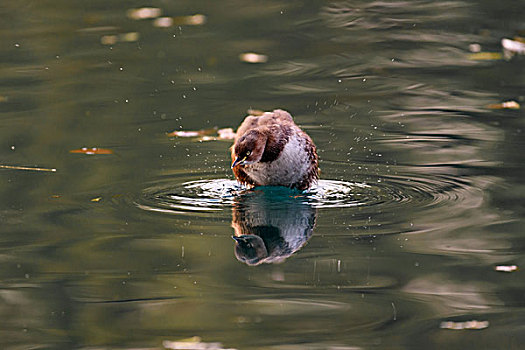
x=289 y=168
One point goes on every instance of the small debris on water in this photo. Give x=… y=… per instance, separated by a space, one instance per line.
x=474 y=48
x=129 y=37
x=16 y=167
x=186 y=133
x=193 y=20
x=163 y=22
x=505 y=105
x=108 y=40
x=91 y=151
x=474 y=324
x=252 y=57
x=506 y=268
x=205 y=134
x=226 y=134
x=144 y=13
x=513 y=47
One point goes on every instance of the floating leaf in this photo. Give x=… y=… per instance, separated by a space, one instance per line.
x=124 y=37
x=514 y=46
x=197 y=133
x=506 y=268
x=91 y=151
x=474 y=47
x=205 y=134
x=252 y=57
x=226 y=134
x=16 y=167
x=163 y=22
x=184 y=133
x=464 y=325
x=108 y=40
x=194 y=20
x=129 y=37
x=144 y=13
x=505 y=105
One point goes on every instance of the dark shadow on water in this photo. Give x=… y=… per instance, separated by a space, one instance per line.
x=271 y=224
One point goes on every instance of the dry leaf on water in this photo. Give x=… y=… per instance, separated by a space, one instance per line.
x=205 y=134
x=505 y=105
x=91 y=151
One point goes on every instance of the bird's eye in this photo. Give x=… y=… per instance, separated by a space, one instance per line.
x=248 y=153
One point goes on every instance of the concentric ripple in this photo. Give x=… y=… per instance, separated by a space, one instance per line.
x=376 y=192
x=191 y=196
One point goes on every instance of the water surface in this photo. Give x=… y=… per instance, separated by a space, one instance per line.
x=413 y=238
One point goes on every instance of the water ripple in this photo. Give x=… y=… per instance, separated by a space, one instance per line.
x=376 y=192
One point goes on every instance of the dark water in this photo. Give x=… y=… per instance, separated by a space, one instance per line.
x=399 y=246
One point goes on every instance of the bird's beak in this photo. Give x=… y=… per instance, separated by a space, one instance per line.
x=238 y=161
x=239 y=239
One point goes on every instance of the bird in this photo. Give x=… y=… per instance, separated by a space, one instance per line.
x=271 y=150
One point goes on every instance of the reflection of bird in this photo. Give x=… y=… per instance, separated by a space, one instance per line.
x=270 y=225
x=271 y=150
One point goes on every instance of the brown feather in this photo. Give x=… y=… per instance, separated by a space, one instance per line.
x=262 y=140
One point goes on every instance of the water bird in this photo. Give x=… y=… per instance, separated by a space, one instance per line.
x=271 y=150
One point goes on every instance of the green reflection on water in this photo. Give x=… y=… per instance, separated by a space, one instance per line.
x=393 y=102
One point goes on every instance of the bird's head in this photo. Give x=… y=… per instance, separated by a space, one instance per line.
x=249 y=148
x=250 y=249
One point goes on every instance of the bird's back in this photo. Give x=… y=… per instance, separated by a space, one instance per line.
x=277 y=117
